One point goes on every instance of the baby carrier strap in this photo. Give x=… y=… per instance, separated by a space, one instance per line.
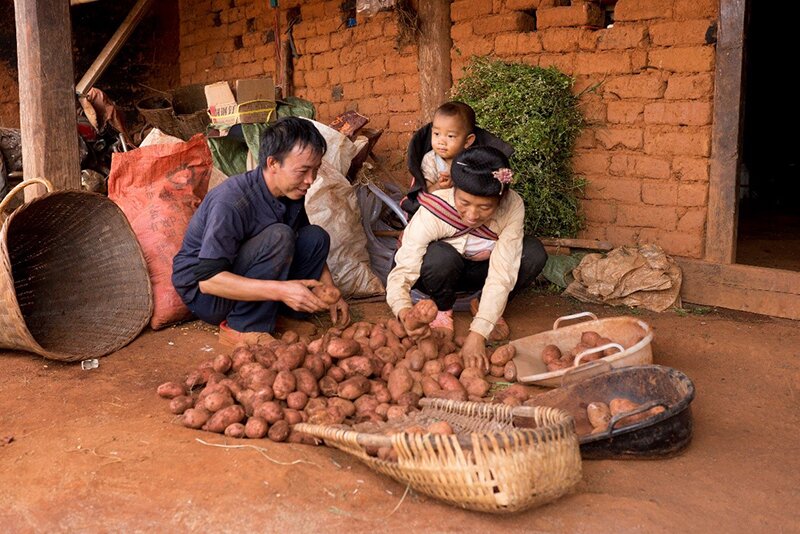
x=447 y=213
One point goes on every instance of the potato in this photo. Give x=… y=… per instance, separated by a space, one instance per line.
x=249 y=368
x=503 y=355
x=337 y=373
x=269 y=411
x=246 y=398
x=240 y=356
x=433 y=367
x=222 y=363
x=430 y=386
x=316 y=346
x=320 y=403
x=290 y=336
x=449 y=382
x=263 y=395
x=260 y=378
x=400 y=381
x=496 y=371
x=599 y=414
x=279 y=431
x=512 y=401
x=233 y=386
x=551 y=354
x=353 y=388
x=377 y=338
x=356 y=365
x=365 y=405
x=510 y=372
x=180 y=404
x=235 y=430
x=396 y=412
x=264 y=355
x=256 y=428
x=579 y=349
x=517 y=391
x=195 y=417
x=284 y=384
x=342 y=348
x=217 y=401
x=415 y=359
x=208 y=390
x=380 y=391
x=620 y=405
x=292 y=416
x=296 y=400
x=290 y=358
x=440 y=427
x=382 y=409
x=170 y=390
x=305 y=382
x=590 y=338
x=328 y=386
x=315 y=365
x=216 y=378
x=476 y=387
x=429 y=349
x=472 y=372
x=394 y=327
x=362 y=331
x=609 y=351
x=454 y=369
x=417 y=387
x=225 y=417
x=386 y=371
x=409 y=398
x=447 y=347
x=451 y=358
x=421 y=314
x=349 y=332
x=345 y=406
x=450 y=395
x=327 y=293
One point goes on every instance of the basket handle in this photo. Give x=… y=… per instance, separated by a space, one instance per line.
x=576 y=374
x=22 y=185
x=595 y=350
x=573 y=316
x=643 y=408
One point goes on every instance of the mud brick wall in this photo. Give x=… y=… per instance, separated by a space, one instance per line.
x=9 y=97
x=339 y=68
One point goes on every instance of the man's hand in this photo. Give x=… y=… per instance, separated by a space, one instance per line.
x=445 y=182
x=298 y=296
x=418 y=333
x=340 y=313
x=474 y=351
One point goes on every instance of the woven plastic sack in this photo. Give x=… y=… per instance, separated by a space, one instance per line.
x=159 y=188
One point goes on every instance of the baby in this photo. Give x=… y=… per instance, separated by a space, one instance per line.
x=451 y=133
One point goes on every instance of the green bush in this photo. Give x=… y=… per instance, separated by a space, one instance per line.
x=534 y=110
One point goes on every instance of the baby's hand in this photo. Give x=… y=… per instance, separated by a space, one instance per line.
x=444 y=180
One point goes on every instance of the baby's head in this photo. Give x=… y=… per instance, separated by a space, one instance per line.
x=453 y=129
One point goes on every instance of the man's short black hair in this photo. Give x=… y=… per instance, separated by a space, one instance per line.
x=280 y=138
x=460 y=110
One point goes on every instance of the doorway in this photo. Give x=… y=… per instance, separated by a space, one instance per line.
x=769 y=172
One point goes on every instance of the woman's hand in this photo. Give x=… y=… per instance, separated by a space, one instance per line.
x=418 y=333
x=298 y=296
x=474 y=352
x=340 y=313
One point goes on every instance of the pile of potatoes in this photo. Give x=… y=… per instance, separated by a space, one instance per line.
x=600 y=413
x=366 y=372
x=555 y=360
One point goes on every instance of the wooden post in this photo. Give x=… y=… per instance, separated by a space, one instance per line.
x=47 y=94
x=435 y=43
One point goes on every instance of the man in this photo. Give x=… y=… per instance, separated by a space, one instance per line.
x=249 y=252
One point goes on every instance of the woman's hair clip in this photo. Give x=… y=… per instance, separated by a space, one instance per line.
x=461 y=163
x=504 y=176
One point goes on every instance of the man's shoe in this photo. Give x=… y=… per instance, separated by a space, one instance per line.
x=501 y=329
x=229 y=337
x=303 y=328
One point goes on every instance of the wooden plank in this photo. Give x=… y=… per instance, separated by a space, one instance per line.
x=741 y=287
x=113 y=46
x=435 y=43
x=591 y=244
x=47 y=94
x=726 y=135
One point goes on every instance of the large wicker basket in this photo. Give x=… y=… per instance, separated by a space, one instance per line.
x=488 y=465
x=73 y=280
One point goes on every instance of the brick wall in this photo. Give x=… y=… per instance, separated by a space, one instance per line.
x=339 y=68
x=9 y=97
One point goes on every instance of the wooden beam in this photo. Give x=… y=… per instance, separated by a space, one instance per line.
x=113 y=46
x=741 y=287
x=726 y=135
x=433 y=61
x=47 y=94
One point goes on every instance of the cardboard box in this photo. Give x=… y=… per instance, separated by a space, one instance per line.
x=253 y=102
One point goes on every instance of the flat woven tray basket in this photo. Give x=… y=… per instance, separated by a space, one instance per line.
x=488 y=465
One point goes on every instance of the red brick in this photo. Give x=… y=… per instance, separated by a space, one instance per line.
x=693 y=194
x=621 y=36
x=683 y=59
x=674 y=243
x=371 y=69
x=594 y=231
x=590 y=162
x=636 y=86
x=516 y=22
x=599 y=211
x=603 y=188
x=357 y=90
x=692 y=220
x=367 y=29
x=381 y=48
x=683 y=141
x=588 y=39
x=341 y=39
x=678 y=113
x=352 y=56
x=624 y=112
x=690 y=169
x=328 y=25
x=578 y=14
x=520 y=5
x=592 y=108
x=370 y=107
x=611 y=138
x=462 y=30
x=664 y=217
x=688 y=32
x=603 y=63
x=475 y=46
x=696 y=9
x=642 y=10
x=505 y=44
x=315 y=45
x=619 y=235
x=402 y=65
x=639 y=166
x=411 y=84
x=386 y=85
x=316 y=78
x=403 y=122
x=328 y=60
x=660 y=193
x=469 y=9
x=689 y=87
x=585 y=139
x=529 y=43
x=403 y=103
x=560 y=39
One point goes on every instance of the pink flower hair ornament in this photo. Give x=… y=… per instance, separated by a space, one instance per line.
x=504 y=176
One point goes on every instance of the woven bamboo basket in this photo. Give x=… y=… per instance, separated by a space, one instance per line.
x=488 y=465
x=73 y=279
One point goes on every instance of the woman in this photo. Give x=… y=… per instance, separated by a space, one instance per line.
x=467 y=238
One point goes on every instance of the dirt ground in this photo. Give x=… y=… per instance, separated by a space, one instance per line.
x=98 y=451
